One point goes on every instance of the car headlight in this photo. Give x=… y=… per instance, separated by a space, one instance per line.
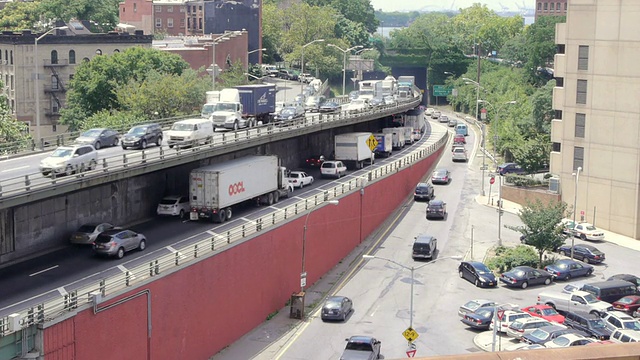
x=290 y=117
x=483 y=279
x=187 y=138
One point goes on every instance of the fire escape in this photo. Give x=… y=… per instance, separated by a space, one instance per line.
x=55 y=89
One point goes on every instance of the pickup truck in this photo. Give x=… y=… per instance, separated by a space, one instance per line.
x=361 y=348
x=576 y=301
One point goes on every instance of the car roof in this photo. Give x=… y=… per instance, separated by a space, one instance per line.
x=112 y=231
x=361 y=338
x=622 y=277
x=336 y=298
x=564 y=261
x=539 y=306
x=522 y=268
x=530 y=319
x=552 y=328
x=436 y=202
x=172 y=197
x=481 y=301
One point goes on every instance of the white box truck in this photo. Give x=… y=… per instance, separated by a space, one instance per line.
x=213 y=97
x=353 y=149
x=408 y=134
x=398 y=137
x=215 y=189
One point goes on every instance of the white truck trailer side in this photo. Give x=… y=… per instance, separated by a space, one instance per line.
x=215 y=189
x=398 y=137
x=353 y=150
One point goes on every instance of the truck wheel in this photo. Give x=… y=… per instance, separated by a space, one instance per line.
x=222 y=216
x=235 y=125
x=229 y=213
x=276 y=196
x=270 y=199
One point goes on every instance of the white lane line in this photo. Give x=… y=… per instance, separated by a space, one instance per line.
x=124 y=270
x=14 y=169
x=247 y=220
x=62 y=291
x=175 y=251
x=211 y=232
x=45 y=270
x=374 y=310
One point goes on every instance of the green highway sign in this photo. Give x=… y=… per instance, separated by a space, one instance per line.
x=441 y=90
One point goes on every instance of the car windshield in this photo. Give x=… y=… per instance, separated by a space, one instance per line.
x=87 y=228
x=62 y=153
x=224 y=107
x=333 y=302
x=482 y=269
x=358 y=346
x=590 y=299
x=182 y=127
x=92 y=133
x=625 y=300
x=540 y=334
x=597 y=324
x=138 y=131
x=288 y=111
x=167 y=201
x=633 y=325
x=549 y=312
x=519 y=316
x=472 y=305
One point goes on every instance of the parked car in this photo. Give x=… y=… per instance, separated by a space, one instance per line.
x=299 y=179
x=591 y=324
x=99 y=138
x=329 y=106
x=610 y=291
x=624 y=336
x=510 y=168
x=436 y=209
x=523 y=346
x=305 y=78
x=459 y=153
x=140 y=136
x=174 y=205
x=290 y=113
x=565 y=269
x=116 y=242
x=567 y=340
x=441 y=176
x=523 y=276
x=333 y=168
x=336 y=308
x=574 y=286
x=314 y=161
x=628 y=304
x=546 y=333
x=544 y=311
x=506 y=317
x=584 y=252
x=452 y=122
x=471 y=306
x=584 y=231
x=66 y=160
x=615 y=320
x=87 y=233
x=626 y=277
x=521 y=327
x=361 y=348
x=424 y=191
x=477 y=273
x=480 y=318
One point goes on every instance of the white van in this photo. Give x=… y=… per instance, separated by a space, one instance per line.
x=190 y=132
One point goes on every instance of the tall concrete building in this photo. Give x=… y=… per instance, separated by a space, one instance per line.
x=597 y=122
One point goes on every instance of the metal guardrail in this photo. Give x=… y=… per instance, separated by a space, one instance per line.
x=58 y=305
x=33 y=184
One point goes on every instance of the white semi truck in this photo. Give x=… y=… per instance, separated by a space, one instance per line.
x=213 y=97
x=353 y=149
x=398 y=137
x=215 y=189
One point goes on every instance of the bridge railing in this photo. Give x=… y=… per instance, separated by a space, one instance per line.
x=26 y=184
x=90 y=291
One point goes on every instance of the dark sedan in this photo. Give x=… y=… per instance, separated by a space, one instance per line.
x=330 y=106
x=441 y=176
x=523 y=276
x=480 y=318
x=510 y=168
x=477 y=273
x=424 y=191
x=547 y=333
x=586 y=253
x=626 y=277
x=336 y=308
x=566 y=269
x=628 y=304
x=314 y=161
x=290 y=113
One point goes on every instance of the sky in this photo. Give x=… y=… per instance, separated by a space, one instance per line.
x=437 y=5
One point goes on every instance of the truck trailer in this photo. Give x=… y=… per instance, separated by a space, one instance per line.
x=244 y=106
x=353 y=149
x=398 y=137
x=215 y=189
x=385 y=145
x=405 y=86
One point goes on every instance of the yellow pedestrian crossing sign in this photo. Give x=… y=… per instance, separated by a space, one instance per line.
x=410 y=334
x=372 y=142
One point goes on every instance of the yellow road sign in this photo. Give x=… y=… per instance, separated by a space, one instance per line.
x=410 y=334
x=372 y=142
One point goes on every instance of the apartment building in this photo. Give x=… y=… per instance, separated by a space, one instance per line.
x=36 y=68
x=551 y=8
x=597 y=122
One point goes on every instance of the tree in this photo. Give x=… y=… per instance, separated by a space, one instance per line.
x=102 y=15
x=20 y=15
x=13 y=133
x=541 y=45
x=542 y=228
x=359 y=11
x=533 y=154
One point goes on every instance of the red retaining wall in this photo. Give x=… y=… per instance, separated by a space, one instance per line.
x=199 y=310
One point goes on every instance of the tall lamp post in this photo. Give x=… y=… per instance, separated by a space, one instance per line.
x=575 y=207
x=344 y=62
x=303 y=47
x=303 y=274
x=220 y=38
x=469 y=81
x=412 y=269
x=251 y=52
x=37 y=82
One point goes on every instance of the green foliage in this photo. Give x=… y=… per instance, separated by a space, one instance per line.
x=508 y=258
x=233 y=76
x=20 y=15
x=527 y=181
x=358 y=11
x=118 y=120
x=533 y=153
x=396 y=18
x=542 y=228
x=14 y=134
x=540 y=45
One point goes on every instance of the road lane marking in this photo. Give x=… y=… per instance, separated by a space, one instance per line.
x=374 y=310
x=175 y=251
x=14 y=169
x=211 y=232
x=45 y=270
x=62 y=291
x=125 y=270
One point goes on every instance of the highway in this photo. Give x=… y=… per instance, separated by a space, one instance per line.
x=381 y=290
x=34 y=281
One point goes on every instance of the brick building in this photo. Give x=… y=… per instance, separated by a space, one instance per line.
x=551 y=8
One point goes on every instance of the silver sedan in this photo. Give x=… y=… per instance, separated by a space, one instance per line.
x=118 y=241
x=87 y=233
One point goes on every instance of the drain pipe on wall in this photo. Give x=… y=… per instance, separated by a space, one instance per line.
x=96 y=298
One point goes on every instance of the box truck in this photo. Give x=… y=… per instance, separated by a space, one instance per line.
x=408 y=134
x=405 y=86
x=385 y=145
x=370 y=89
x=389 y=86
x=353 y=149
x=244 y=106
x=215 y=189
x=213 y=97
x=398 y=137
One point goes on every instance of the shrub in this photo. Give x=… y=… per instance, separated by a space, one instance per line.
x=508 y=258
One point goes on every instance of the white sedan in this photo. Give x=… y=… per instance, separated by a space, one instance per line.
x=567 y=340
x=299 y=179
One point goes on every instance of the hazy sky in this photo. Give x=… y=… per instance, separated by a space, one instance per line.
x=435 y=5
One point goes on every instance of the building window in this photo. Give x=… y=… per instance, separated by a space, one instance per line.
x=135 y=7
x=158 y=8
x=158 y=22
x=85 y=59
x=578 y=157
x=539 y=6
x=565 y=6
x=580 y=125
x=556 y=147
x=560 y=82
x=557 y=114
x=583 y=57
x=54 y=57
x=199 y=23
x=182 y=23
x=54 y=127
x=0 y=56
x=581 y=92
x=54 y=82
x=55 y=106
x=170 y=8
x=12 y=83
x=560 y=49
x=193 y=9
x=546 y=6
x=11 y=57
x=170 y=22
x=558 y=6
x=72 y=56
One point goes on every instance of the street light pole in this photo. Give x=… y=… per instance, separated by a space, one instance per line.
x=477 y=84
x=304 y=243
x=223 y=37
x=344 y=62
x=575 y=208
x=304 y=46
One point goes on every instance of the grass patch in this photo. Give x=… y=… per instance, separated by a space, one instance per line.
x=272 y=315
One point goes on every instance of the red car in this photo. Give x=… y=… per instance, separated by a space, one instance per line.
x=314 y=161
x=546 y=312
x=459 y=139
x=628 y=304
